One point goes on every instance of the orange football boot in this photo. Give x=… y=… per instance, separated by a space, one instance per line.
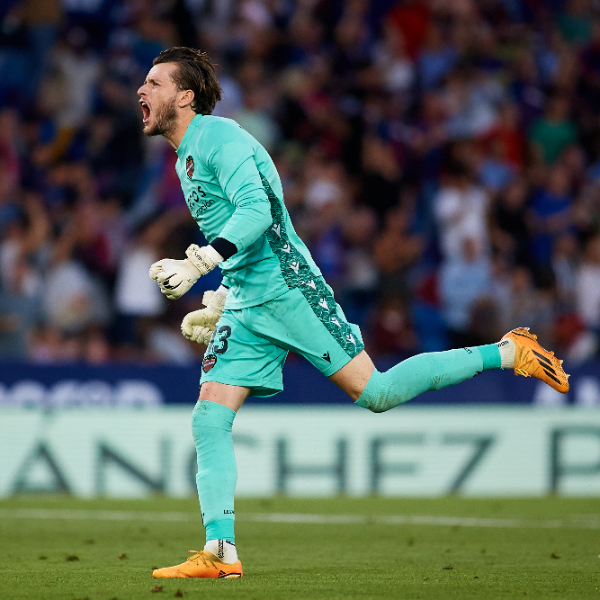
x=531 y=360
x=202 y=564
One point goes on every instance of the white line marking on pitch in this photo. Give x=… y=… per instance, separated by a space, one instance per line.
x=578 y=522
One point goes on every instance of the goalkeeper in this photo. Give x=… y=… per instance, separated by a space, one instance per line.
x=273 y=297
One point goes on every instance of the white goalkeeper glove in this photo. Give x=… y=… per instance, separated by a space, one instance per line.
x=199 y=325
x=176 y=277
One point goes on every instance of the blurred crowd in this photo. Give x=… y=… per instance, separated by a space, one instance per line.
x=441 y=159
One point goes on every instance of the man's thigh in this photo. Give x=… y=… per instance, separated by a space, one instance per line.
x=236 y=356
x=231 y=396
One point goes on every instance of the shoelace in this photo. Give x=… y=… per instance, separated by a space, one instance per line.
x=196 y=554
x=200 y=555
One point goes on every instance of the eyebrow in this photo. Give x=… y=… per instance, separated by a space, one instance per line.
x=151 y=80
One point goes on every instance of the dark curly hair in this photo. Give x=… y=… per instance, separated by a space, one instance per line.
x=194 y=72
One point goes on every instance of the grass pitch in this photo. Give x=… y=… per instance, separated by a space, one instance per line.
x=450 y=548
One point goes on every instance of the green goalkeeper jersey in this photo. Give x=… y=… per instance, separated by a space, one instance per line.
x=233 y=191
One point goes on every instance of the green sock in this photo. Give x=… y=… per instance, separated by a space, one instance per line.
x=424 y=372
x=217 y=471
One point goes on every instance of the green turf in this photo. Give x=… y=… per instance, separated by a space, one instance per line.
x=70 y=559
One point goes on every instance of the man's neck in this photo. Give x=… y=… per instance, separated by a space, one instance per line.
x=176 y=136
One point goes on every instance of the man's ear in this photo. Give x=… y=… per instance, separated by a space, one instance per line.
x=186 y=98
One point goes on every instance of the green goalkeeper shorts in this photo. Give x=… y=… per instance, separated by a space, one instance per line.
x=249 y=346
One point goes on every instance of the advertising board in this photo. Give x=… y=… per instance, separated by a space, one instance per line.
x=308 y=451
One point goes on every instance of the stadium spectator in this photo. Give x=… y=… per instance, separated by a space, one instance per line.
x=464 y=281
x=461 y=209
x=554 y=131
x=436 y=59
x=551 y=214
x=587 y=286
x=509 y=224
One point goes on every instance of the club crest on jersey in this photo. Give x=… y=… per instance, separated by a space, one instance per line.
x=208 y=362
x=189 y=166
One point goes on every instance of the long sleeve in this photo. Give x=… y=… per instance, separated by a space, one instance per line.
x=234 y=166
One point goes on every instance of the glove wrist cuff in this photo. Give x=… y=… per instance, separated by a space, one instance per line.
x=205 y=259
x=213 y=254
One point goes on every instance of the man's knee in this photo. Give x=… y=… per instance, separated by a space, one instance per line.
x=372 y=395
x=381 y=393
x=197 y=421
x=231 y=396
x=354 y=375
x=211 y=418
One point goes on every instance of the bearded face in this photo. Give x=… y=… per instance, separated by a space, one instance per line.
x=161 y=119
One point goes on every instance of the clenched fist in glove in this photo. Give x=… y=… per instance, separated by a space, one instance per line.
x=199 y=325
x=176 y=277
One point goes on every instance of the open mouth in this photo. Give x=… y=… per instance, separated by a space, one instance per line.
x=145 y=111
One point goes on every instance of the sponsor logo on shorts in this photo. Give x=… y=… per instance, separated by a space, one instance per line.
x=208 y=362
